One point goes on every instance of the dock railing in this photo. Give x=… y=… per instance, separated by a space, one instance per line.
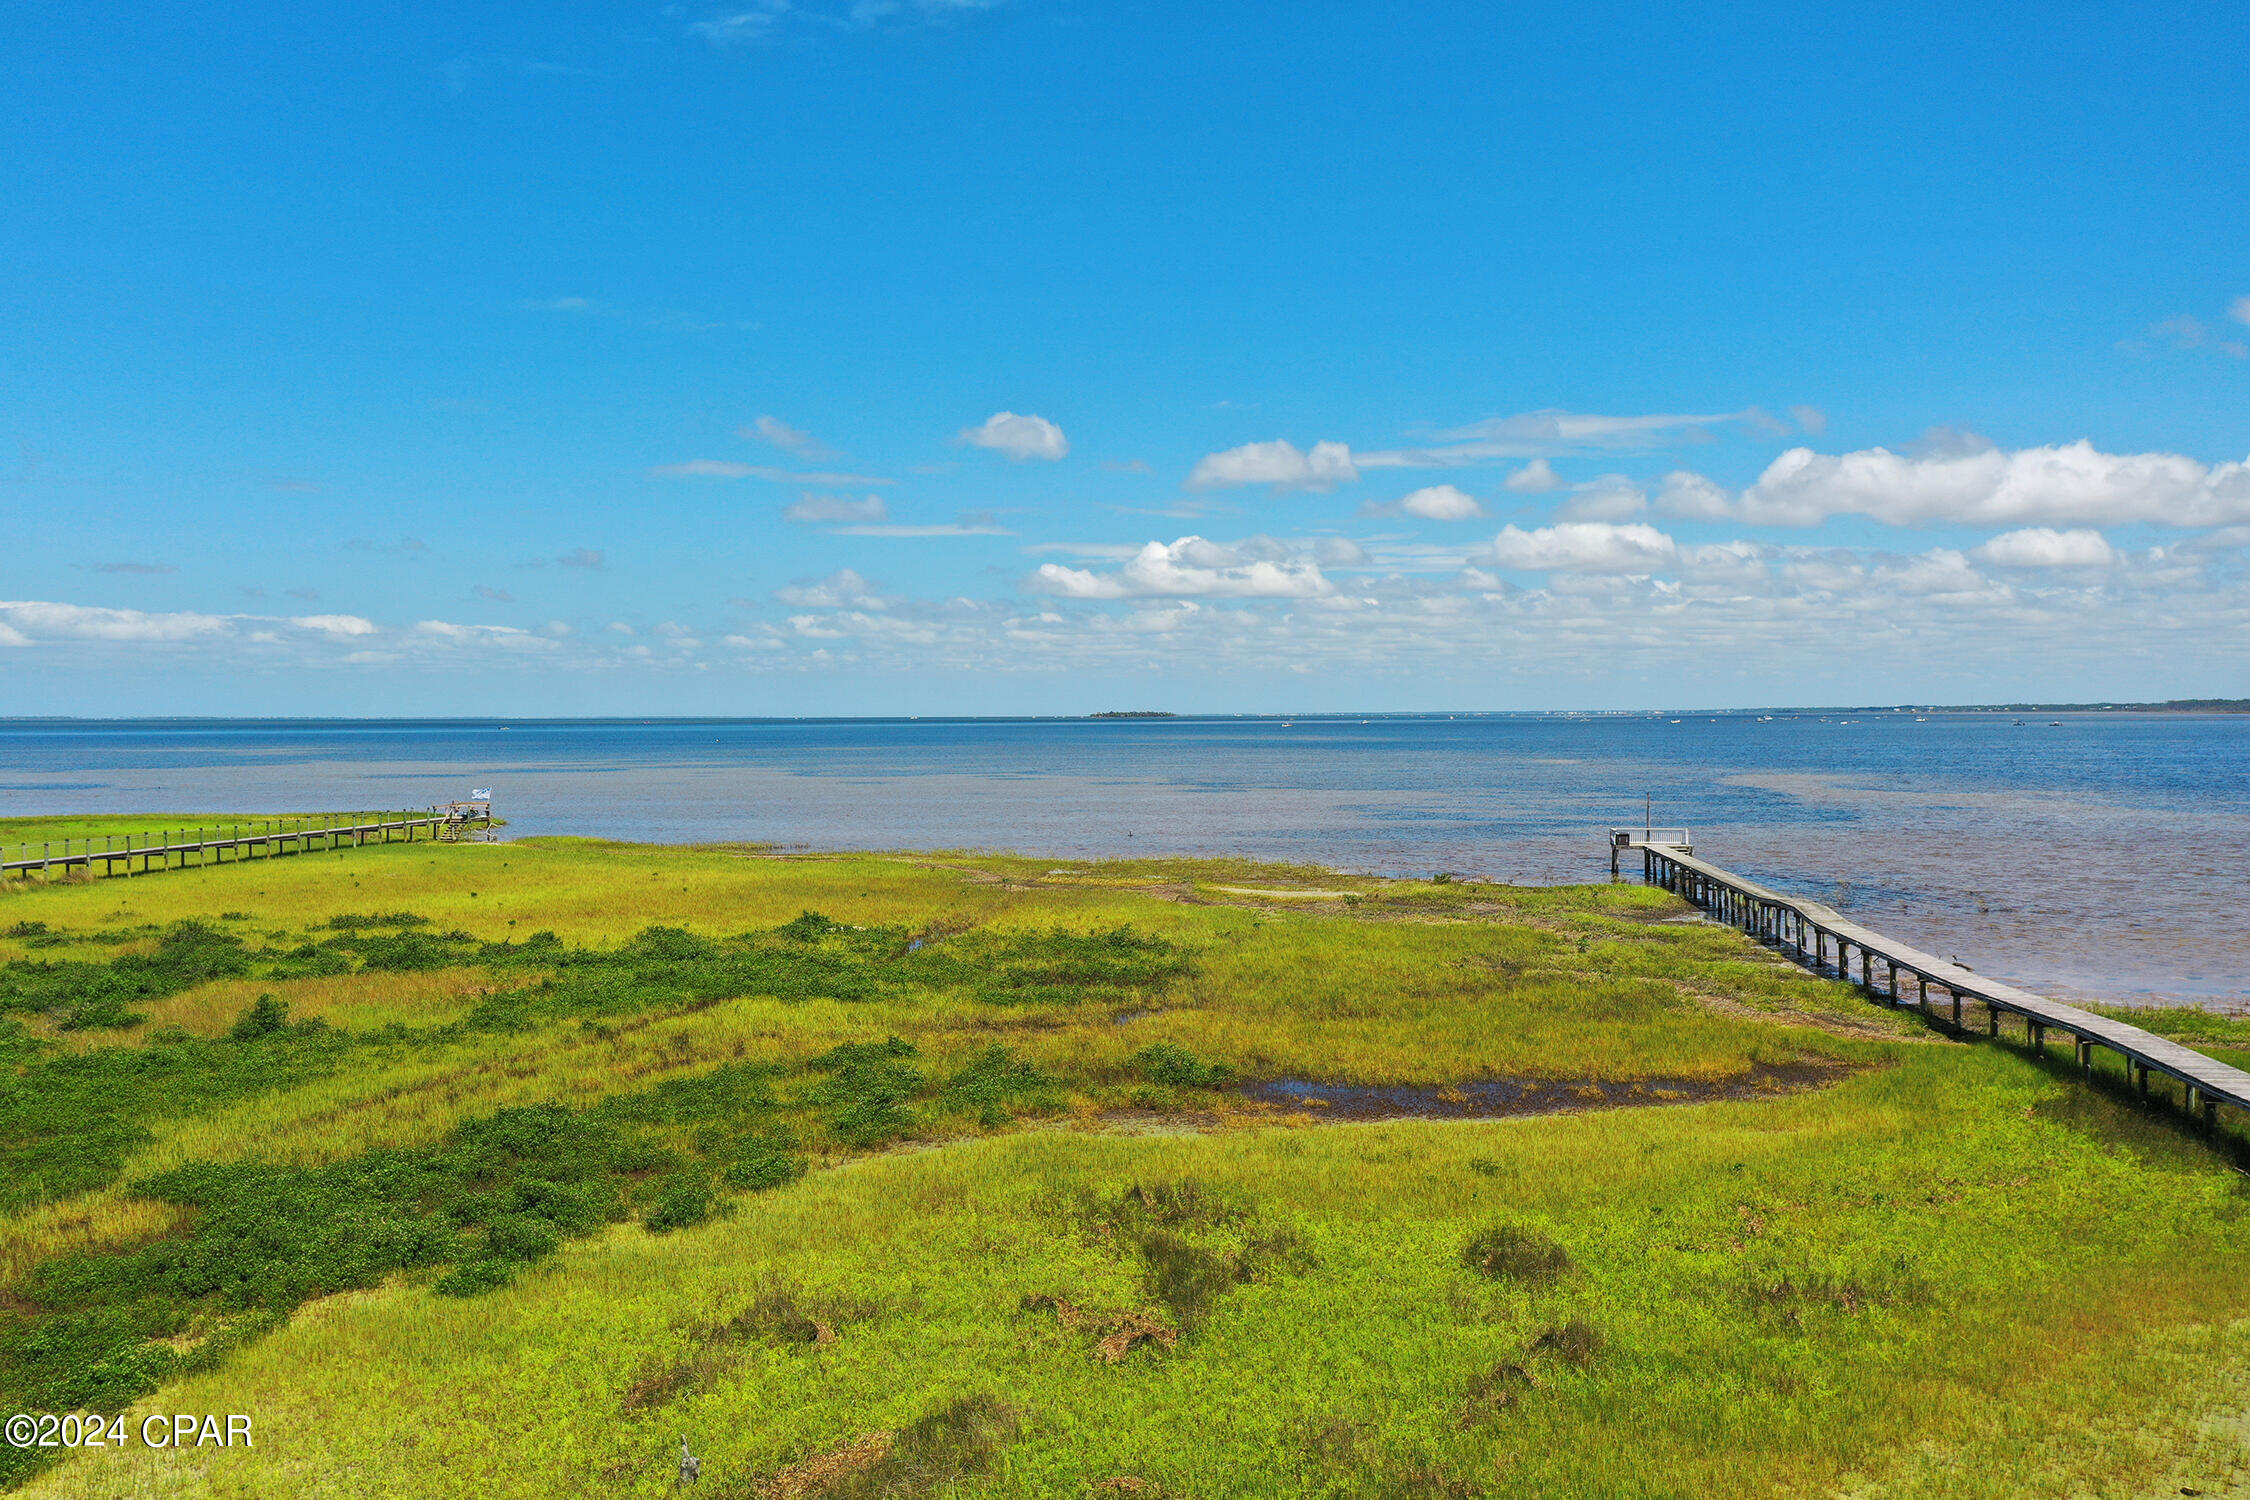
x=1809 y=932
x=249 y=838
x=1622 y=839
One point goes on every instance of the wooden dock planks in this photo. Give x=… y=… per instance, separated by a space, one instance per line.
x=1809 y=928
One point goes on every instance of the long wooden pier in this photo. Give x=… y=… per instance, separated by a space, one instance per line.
x=1811 y=932
x=261 y=838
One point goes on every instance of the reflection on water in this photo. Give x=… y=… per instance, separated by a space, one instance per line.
x=2092 y=860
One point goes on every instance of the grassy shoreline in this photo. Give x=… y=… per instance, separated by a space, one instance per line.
x=628 y=1120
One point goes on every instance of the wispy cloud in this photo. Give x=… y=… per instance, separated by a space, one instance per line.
x=2187 y=332
x=766 y=21
x=1547 y=434
x=491 y=637
x=788 y=439
x=588 y=558
x=954 y=528
x=1612 y=497
x=814 y=509
x=716 y=468
x=1584 y=546
x=39 y=619
x=461 y=72
x=843 y=588
x=653 y=319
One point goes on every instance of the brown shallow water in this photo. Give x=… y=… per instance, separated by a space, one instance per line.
x=1501 y=1098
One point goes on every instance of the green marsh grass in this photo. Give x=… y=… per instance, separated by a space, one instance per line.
x=921 y=1103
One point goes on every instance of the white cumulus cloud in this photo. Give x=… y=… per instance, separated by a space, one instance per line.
x=1020 y=437
x=1436 y=502
x=1535 y=478
x=1279 y=463
x=1187 y=569
x=1963 y=483
x=342 y=626
x=1692 y=497
x=1584 y=547
x=2044 y=547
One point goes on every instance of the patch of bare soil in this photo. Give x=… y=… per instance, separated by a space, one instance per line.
x=1122 y=1333
x=824 y=1473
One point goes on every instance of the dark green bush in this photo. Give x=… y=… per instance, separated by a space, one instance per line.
x=761 y=1164
x=682 y=1199
x=349 y=922
x=473 y=1278
x=521 y=1236
x=261 y=1017
x=86 y=996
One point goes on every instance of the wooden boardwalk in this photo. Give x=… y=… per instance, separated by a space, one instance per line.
x=1812 y=933
x=264 y=838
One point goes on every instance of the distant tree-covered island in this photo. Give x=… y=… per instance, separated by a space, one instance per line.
x=1134 y=713
x=2170 y=706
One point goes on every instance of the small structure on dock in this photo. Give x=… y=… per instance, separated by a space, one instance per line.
x=461 y=822
x=1622 y=839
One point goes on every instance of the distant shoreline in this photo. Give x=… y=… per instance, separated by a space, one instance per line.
x=2170 y=706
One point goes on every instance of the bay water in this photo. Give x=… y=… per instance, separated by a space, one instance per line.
x=2089 y=856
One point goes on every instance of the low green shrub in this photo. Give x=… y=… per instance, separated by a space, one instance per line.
x=1163 y=1062
x=261 y=1017
x=682 y=1199
x=1515 y=1252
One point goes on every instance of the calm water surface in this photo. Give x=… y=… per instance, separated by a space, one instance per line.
x=2102 y=857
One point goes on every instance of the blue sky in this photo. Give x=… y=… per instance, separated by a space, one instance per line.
x=1054 y=355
